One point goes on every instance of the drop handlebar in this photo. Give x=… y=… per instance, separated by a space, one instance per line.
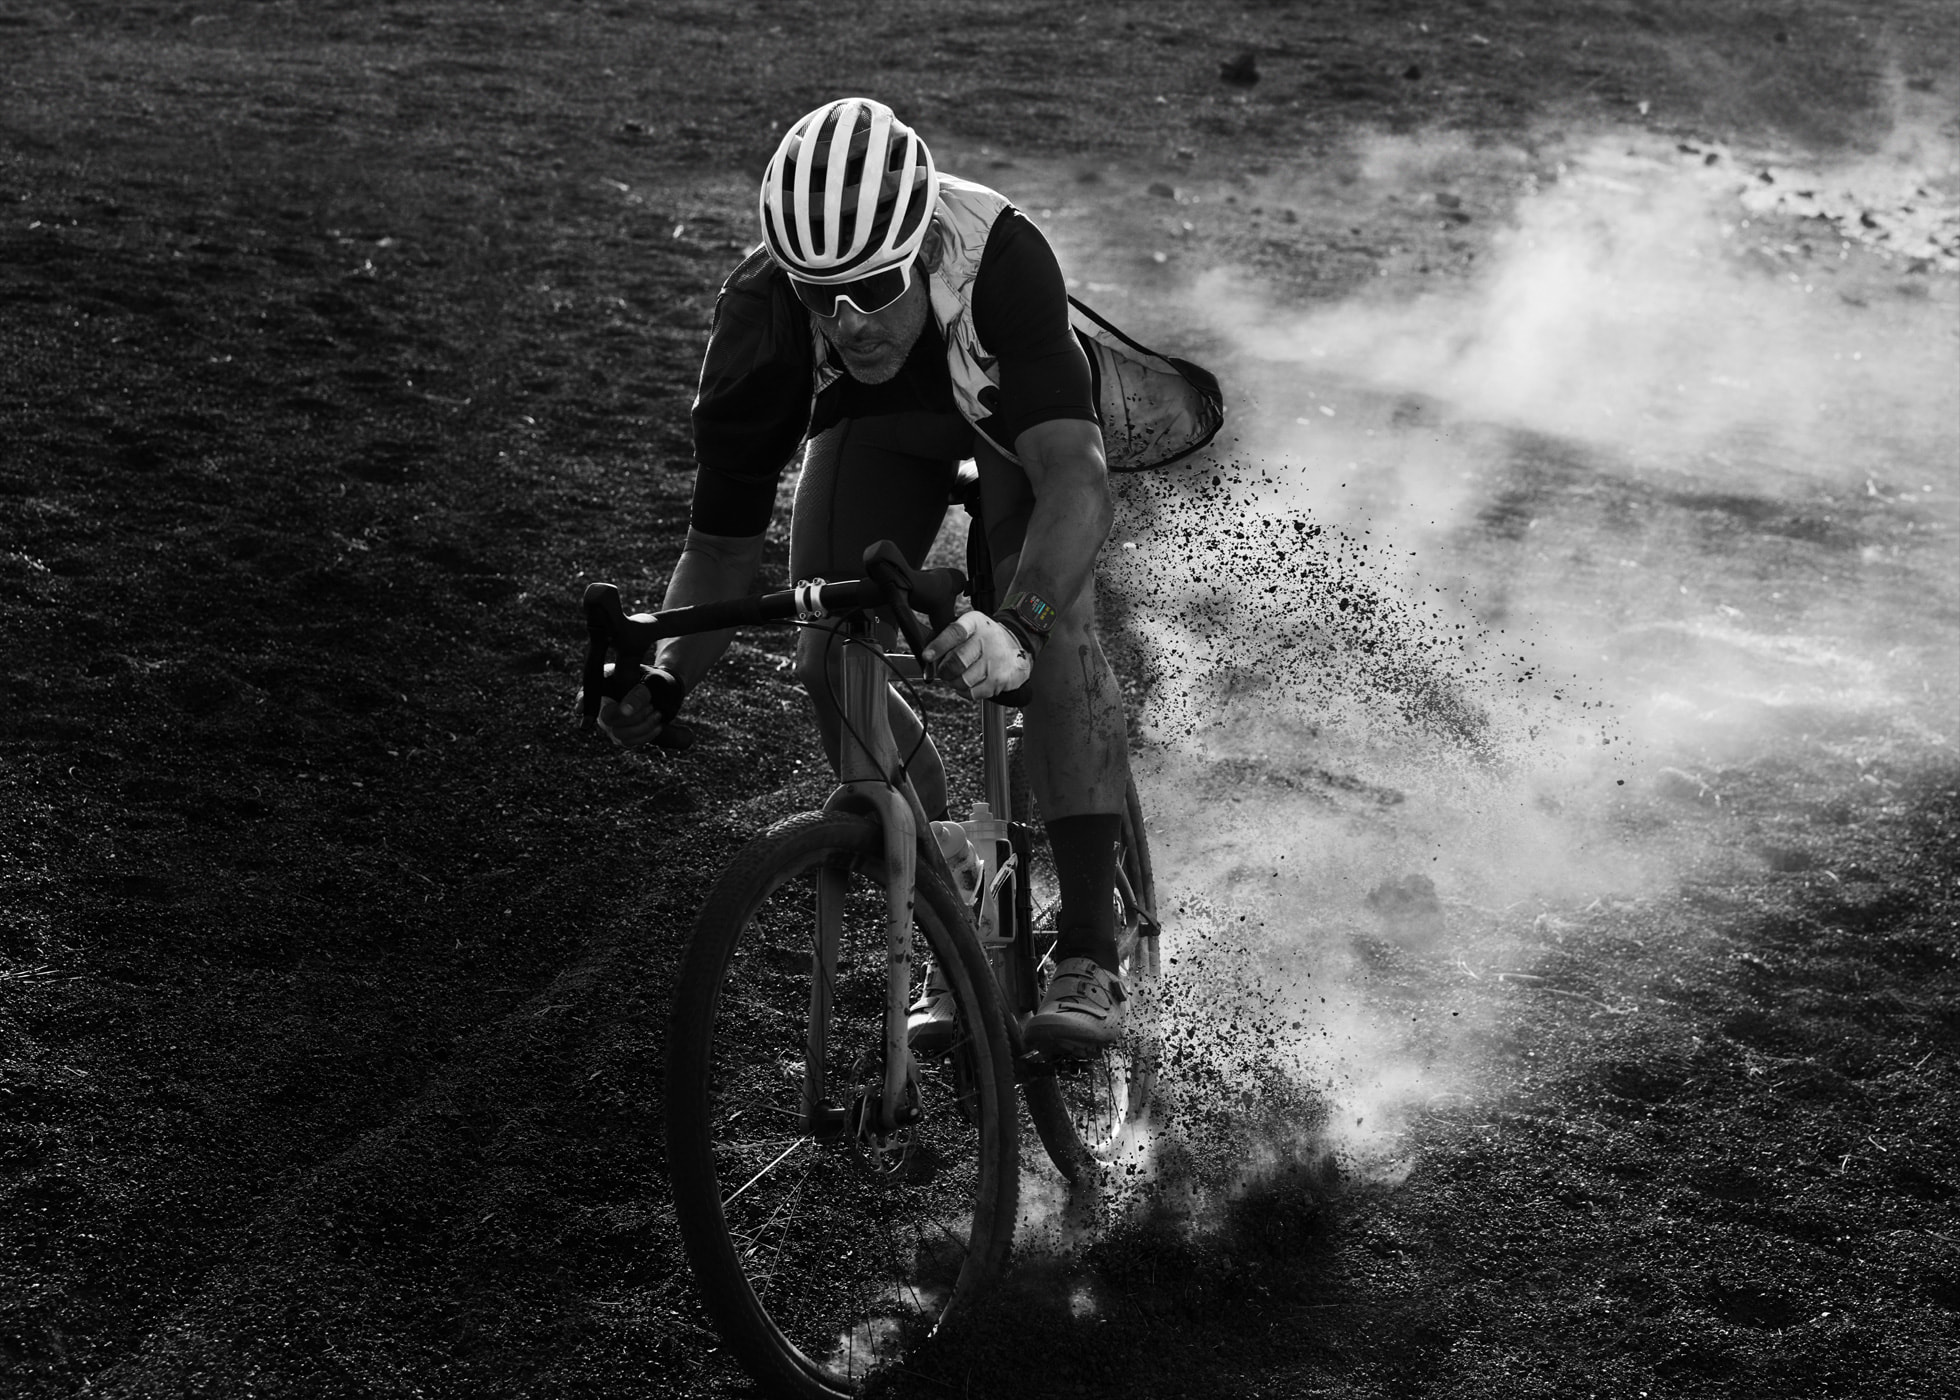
x=889 y=582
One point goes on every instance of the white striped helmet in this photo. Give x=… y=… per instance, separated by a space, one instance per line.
x=822 y=218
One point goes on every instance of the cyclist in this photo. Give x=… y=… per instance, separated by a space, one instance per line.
x=893 y=322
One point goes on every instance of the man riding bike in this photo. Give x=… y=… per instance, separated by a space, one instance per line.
x=894 y=322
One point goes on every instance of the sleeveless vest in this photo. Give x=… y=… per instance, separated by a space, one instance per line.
x=964 y=216
x=1153 y=409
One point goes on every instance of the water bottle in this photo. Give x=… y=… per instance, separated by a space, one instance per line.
x=961 y=858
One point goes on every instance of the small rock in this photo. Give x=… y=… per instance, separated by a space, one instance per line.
x=1242 y=70
x=1163 y=190
x=1685 y=786
x=1788 y=860
x=1408 y=903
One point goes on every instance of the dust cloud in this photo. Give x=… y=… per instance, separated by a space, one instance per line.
x=1670 y=475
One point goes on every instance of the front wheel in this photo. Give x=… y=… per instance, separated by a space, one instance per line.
x=824 y=1246
x=1087 y=1111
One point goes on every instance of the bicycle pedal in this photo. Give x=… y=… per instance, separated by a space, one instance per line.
x=1061 y=1063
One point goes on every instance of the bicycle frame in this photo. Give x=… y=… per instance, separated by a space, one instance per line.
x=871 y=778
x=871 y=781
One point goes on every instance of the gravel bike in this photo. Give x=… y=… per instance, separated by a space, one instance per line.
x=839 y=1197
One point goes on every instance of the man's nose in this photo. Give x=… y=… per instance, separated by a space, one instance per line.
x=850 y=320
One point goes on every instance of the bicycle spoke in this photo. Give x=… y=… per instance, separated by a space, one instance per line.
x=767 y=1277
x=800 y=1142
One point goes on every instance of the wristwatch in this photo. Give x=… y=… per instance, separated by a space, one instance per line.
x=1030 y=617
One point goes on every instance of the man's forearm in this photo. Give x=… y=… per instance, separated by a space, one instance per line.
x=711 y=567
x=1066 y=533
x=1063 y=460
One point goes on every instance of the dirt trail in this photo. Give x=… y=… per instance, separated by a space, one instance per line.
x=340 y=344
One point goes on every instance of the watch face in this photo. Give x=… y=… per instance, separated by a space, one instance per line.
x=1034 y=610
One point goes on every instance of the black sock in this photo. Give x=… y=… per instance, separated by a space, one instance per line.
x=1085 y=867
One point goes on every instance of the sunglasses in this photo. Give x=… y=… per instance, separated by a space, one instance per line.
x=866 y=295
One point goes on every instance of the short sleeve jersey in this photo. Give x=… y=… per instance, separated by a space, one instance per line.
x=753 y=409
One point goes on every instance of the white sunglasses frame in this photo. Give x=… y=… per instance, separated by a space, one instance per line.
x=842 y=299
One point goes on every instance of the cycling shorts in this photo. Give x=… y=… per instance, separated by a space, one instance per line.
x=889 y=477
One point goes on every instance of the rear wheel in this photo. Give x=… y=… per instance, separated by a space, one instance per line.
x=1087 y=1111
x=824 y=1245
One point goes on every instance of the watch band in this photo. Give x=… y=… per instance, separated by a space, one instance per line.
x=1030 y=642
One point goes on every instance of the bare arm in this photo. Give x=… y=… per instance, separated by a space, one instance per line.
x=1063 y=459
x=711 y=567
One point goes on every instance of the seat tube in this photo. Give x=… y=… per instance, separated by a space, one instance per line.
x=993 y=753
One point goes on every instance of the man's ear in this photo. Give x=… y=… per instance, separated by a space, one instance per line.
x=930 y=249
